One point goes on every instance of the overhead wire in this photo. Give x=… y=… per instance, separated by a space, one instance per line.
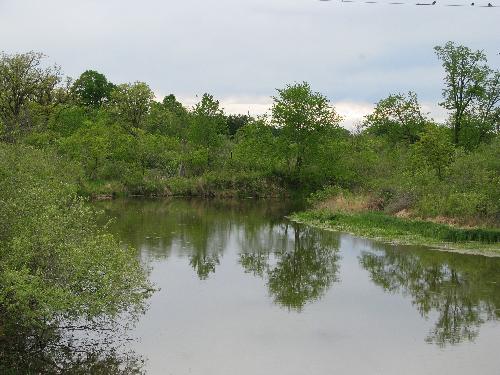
x=433 y=3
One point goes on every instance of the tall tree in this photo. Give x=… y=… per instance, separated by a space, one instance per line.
x=92 y=89
x=303 y=116
x=173 y=105
x=208 y=125
x=168 y=118
x=486 y=111
x=23 y=79
x=132 y=102
x=466 y=72
x=398 y=118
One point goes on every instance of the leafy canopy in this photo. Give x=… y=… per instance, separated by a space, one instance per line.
x=92 y=89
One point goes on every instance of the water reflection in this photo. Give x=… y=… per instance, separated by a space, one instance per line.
x=464 y=291
x=298 y=265
x=203 y=263
x=299 y=268
x=199 y=229
x=57 y=352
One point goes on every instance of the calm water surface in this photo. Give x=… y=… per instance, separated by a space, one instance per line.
x=244 y=291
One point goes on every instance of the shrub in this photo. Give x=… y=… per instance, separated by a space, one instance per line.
x=57 y=266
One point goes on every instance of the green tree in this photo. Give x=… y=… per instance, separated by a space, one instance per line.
x=236 y=122
x=23 y=80
x=256 y=147
x=173 y=105
x=168 y=118
x=303 y=117
x=59 y=270
x=132 y=103
x=66 y=119
x=208 y=126
x=158 y=152
x=92 y=89
x=90 y=146
x=466 y=72
x=434 y=150
x=490 y=108
x=482 y=121
x=398 y=118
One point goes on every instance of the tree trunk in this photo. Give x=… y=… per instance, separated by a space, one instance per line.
x=456 y=128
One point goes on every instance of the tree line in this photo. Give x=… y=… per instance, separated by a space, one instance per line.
x=125 y=141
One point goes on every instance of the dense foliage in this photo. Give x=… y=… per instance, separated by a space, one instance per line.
x=59 y=271
x=126 y=141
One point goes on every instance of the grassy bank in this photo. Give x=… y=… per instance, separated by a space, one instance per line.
x=220 y=185
x=387 y=228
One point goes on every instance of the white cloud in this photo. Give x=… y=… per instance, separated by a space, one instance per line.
x=352 y=112
x=255 y=106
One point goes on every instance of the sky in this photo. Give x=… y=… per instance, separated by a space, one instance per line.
x=241 y=51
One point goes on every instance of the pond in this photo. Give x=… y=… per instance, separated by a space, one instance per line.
x=245 y=291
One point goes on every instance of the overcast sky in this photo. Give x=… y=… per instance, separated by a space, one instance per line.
x=242 y=50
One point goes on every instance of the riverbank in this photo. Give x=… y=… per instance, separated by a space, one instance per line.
x=386 y=228
x=220 y=185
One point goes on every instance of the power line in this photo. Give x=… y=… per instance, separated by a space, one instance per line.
x=434 y=3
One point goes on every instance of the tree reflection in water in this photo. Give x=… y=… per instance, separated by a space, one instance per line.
x=299 y=264
x=62 y=352
x=463 y=290
x=206 y=234
x=200 y=229
x=299 y=268
x=204 y=264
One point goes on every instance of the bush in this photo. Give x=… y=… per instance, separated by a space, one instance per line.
x=57 y=267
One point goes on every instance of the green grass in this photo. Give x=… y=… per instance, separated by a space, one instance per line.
x=381 y=226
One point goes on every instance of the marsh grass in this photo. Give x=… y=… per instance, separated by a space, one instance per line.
x=382 y=226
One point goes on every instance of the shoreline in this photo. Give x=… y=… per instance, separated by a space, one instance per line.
x=312 y=218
